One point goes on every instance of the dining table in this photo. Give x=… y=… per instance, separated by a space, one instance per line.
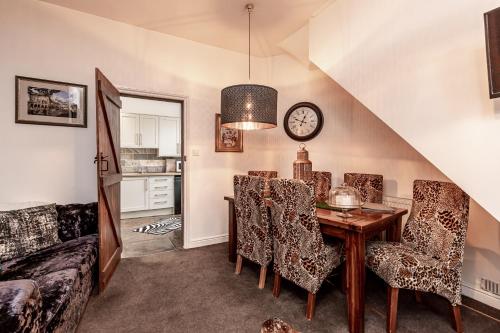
x=355 y=230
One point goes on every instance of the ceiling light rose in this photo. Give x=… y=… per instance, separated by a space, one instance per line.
x=249 y=106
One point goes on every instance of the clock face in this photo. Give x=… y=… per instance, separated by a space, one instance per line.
x=303 y=121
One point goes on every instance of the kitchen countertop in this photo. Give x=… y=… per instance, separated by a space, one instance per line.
x=151 y=174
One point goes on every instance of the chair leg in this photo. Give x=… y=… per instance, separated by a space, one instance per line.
x=239 y=264
x=418 y=296
x=311 y=304
x=262 y=277
x=277 y=284
x=392 y=309
x=456 y=318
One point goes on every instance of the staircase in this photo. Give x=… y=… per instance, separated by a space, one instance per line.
x=420 y=66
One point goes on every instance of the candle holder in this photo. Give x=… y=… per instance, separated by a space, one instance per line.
x=344 y=198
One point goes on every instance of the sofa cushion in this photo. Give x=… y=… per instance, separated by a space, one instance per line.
x=76 y=220
x=56 y=288
x=80 y=254
x=28 y=230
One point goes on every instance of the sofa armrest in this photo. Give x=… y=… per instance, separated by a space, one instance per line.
x=20 y=306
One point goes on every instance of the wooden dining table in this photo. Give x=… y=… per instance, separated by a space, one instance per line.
x=354 y=231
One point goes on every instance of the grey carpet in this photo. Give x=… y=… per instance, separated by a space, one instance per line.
x=209 y=297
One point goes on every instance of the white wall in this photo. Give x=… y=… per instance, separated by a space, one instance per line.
x=420 y=66
x=354 y=139
x=42 y=163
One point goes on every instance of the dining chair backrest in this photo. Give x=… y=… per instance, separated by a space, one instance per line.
x=322 y=181
x=437 y=224
x=254 y=240
x=297 y=239
x=266 y=175
x=371 y=187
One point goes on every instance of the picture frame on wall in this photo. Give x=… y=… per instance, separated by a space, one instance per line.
x=227 y=139
x=46 y=102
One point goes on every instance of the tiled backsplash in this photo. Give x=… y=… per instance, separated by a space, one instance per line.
x=144 y=160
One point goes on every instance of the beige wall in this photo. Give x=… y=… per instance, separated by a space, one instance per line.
x=420 y=66
x=44 y=163
x=354 y=139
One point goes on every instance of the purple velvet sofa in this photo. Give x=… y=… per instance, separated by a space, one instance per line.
x=47 y=291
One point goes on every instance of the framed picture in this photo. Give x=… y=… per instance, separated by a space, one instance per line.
x=227 y=139
x=44 y=102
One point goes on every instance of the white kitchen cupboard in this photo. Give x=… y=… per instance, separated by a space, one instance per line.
x=138 y=131
x=129 y=130
x=134 y=194
x=169 y=136
x=148 y=134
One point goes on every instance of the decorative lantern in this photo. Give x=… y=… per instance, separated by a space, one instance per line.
x=302 y=166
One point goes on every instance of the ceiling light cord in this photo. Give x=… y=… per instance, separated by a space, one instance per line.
x=249 y=8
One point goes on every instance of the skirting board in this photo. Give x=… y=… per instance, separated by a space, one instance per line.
x=204 y=241
x=146 y=213
x=481 y=296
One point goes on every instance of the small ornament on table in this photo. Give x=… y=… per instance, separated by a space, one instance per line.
x=302 y=166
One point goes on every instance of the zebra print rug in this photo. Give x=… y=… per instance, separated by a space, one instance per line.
x=162 y=227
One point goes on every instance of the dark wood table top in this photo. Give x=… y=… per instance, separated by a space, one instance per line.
x=361 y=221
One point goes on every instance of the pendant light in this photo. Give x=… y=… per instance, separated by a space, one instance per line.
x=249 y=106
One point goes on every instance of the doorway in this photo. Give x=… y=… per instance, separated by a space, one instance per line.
x=151 y=146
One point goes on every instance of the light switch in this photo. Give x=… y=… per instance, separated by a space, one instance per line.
x=195 y=152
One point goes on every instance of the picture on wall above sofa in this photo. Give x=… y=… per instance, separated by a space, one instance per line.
x=45 y=102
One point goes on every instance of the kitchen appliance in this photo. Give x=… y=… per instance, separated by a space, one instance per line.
x=177 y=194
x=178 y=166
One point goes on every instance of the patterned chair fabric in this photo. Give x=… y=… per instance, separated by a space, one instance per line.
x=300 y=255
x=371 y=187
x=430 y=256
x=254 y=240
x=322 y=184
x=266 y=175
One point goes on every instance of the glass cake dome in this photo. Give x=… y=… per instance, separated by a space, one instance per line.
x=344 y=197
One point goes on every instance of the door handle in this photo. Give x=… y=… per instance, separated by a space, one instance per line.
x=103 y=159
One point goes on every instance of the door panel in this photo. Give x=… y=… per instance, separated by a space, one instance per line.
x=168 y=137
x=135 y=194
x=109 y=176
x=129 y=130
x=149 y=131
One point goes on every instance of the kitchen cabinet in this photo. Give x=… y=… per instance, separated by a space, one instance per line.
x=169 y=136
x=147 y=193
x=149 y=131
x=138 y=131
x=134 y=194
x=129 y=130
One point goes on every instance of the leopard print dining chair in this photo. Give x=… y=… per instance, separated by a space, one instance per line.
x=254 y=240
x=430 y=256
x=371 y=187
x=300 y=254
x=266 y=175
x=322 y=184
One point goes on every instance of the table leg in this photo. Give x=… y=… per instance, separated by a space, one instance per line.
x=355 y=265
x=231 y=246
x=393 y=233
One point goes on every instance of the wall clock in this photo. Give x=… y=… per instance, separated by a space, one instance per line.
x=303 y=121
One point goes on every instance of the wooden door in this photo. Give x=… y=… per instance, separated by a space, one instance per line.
x=109 y=176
